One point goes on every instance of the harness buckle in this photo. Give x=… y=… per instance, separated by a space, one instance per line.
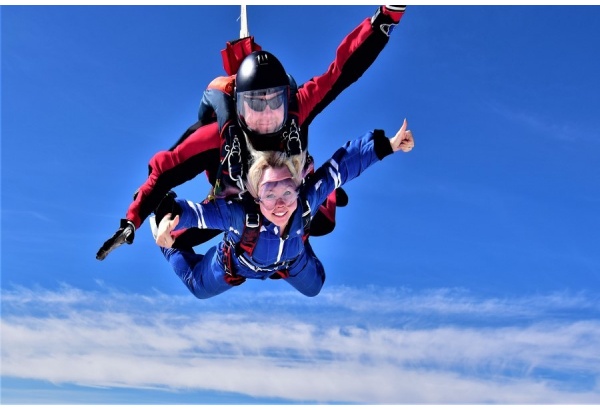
x=292 y=140
x=252 y=220
x=234 y=158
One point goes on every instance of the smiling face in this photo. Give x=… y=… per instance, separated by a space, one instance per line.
x=278 y=196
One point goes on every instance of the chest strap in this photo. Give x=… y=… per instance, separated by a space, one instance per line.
x=246 y=244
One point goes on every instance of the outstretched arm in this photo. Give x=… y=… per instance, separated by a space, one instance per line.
x=351 y=160
x=208 y=214
x=355 y=54
x=168 y=169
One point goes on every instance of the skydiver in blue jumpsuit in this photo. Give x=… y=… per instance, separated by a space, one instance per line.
x=280 y=245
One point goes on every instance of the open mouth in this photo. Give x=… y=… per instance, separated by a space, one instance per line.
x=280 y=214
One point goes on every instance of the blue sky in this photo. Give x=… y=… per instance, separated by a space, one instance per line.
x=467 y=271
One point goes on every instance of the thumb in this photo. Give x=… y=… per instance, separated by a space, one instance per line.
x=404 y=126
x=174 y=223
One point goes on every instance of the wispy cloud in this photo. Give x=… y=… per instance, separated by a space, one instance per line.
x=565 y=131
x=346 y=345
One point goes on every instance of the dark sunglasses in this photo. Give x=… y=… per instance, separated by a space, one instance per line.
x=259 y=104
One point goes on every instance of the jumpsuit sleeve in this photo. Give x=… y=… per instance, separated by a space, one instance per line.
x=168 y=169
x=347 y=163
x=214 y=214
x=355 y=54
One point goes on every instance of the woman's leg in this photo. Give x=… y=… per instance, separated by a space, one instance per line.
x=307 y=274
x=196 y=271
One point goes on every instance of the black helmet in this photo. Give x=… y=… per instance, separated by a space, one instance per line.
x=260 y=69
x=262 y=82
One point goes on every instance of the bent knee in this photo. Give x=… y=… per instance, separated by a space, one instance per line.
x=312 y=293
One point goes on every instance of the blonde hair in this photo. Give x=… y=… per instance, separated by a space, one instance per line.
x=261 y=160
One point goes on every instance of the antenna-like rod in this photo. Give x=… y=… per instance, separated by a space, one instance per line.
x=244 y=24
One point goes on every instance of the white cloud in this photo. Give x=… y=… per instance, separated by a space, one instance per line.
x=346 y=345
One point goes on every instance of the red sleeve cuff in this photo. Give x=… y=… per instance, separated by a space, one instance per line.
x=395 y=15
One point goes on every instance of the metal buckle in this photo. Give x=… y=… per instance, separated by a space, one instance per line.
x=254 y=223
x=292 y=138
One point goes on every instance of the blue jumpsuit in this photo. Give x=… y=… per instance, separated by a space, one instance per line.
x=204 y=275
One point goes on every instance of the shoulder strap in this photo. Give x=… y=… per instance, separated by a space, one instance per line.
x=293 y=139
x=306 y=218
x=234 y=158
x=251 y=226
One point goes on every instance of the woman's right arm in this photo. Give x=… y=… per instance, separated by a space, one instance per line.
x=209 y=214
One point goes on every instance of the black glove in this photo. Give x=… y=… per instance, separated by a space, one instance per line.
x=167 y=205
x=124 y=234
x=341 y=197
x=383 y=22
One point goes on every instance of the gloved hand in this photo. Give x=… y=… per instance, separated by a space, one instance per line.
x=167 y=205
x=386 y=18
x=396 y=9
x=124 y=234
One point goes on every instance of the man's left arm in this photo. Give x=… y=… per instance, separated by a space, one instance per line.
x=355 y=54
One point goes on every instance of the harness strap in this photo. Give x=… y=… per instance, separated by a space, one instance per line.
x=306 y=219
x=251 y=226
x=246 y=244
x=292 y=139
x=250 y=238
x=280 y=274
x=232 y=168
x=232 y=278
